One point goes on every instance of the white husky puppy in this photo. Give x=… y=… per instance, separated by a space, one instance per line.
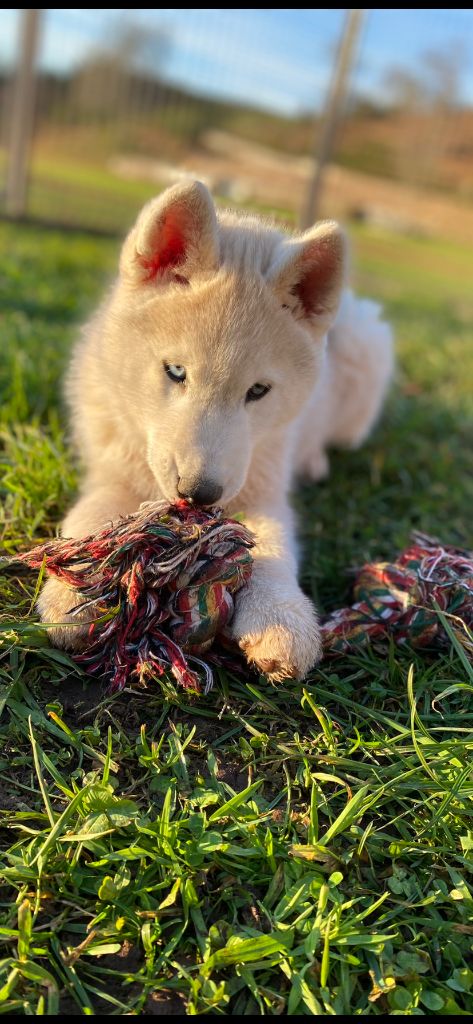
x=217 y=368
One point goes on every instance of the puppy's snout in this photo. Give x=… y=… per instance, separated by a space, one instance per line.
x=201 y=492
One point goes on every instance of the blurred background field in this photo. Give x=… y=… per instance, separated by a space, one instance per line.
x=123 y=102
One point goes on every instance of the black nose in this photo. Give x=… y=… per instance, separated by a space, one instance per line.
x=202 y=492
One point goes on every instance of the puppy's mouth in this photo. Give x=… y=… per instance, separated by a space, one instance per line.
x=220 y=503
x=169 y=490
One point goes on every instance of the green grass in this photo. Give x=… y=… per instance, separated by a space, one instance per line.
x=266 y=849
x=86 y=194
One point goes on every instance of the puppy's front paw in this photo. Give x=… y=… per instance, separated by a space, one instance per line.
x=281 y=640
x=55 y=604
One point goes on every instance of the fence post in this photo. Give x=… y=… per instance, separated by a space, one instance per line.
x=22 y=108
x=334 y=108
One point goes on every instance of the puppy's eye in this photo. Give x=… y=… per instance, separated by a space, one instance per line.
x=256 y=392
x=175 y=373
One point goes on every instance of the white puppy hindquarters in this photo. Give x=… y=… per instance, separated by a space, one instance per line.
x=358 y=366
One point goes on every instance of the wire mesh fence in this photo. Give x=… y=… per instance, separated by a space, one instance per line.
x=126 y=102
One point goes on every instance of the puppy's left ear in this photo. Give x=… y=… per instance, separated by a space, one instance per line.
x=309 y=272
x=174 y=237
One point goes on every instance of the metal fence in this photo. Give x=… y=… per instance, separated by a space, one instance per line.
x=100 y=109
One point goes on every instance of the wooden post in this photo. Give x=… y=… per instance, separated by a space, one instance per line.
x=335 y=102
x=21 y=115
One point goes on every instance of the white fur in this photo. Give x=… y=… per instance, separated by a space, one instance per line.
x=236 y=302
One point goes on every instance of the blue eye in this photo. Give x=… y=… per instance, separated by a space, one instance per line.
x=256 y=392
x=175 y=373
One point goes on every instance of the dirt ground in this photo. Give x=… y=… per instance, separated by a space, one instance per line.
x=245 y=171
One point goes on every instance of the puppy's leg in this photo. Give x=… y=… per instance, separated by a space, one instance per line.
x=275 y=623
x=99 y=508
x=361 y=359
x=314 y=465
x=348 y=398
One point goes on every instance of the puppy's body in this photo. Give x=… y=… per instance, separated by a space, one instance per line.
x=272 y=377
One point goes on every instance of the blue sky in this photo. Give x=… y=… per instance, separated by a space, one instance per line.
x=278 y=59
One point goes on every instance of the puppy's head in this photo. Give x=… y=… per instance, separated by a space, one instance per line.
x=225 y=319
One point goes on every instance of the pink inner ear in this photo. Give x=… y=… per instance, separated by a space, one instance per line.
x=170 y=251
x=317 y=280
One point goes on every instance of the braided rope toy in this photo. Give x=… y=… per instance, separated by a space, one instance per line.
x=158 y=583
x=401 y=599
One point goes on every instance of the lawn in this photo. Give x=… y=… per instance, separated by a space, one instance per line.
x=287 y=849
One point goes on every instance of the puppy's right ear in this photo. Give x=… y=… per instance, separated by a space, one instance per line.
x=175 y=236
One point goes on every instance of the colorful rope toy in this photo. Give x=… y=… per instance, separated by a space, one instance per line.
x=158 y=583
x=401 y=599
